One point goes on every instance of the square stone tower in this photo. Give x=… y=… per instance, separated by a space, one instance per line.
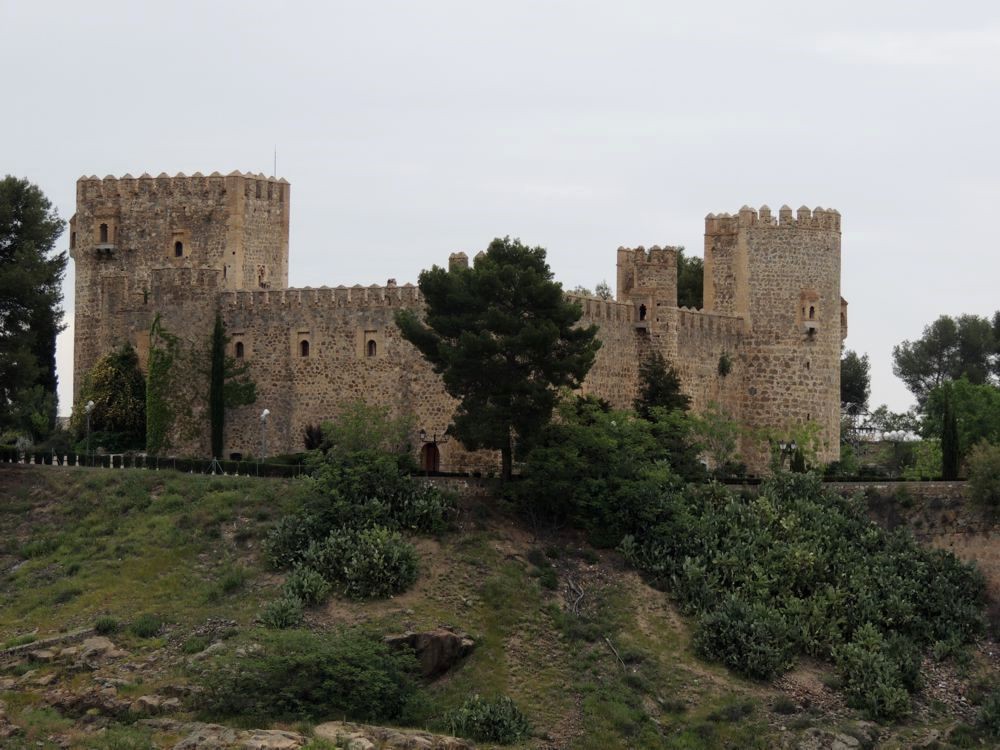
x=138 y=241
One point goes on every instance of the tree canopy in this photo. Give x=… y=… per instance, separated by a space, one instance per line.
x=118 y=389
x=950 y=348
x=30 y=311
x=855 y=381
x=504 y=339
x=690 y=280
x=659 y=387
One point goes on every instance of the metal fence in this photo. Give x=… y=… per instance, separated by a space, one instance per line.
x=152 y=463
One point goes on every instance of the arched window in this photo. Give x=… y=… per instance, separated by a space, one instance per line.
x=642 y=312
x=372 y=347
x=812 y=312
x=239 y=350
x=104 y=234
x=178 y=249
x=304 y=348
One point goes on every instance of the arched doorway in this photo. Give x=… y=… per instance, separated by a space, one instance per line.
x=430 y=458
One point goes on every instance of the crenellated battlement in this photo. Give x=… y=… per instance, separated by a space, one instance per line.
x=654 y=255
x=341 y=296
x=804 y=218
x=689 y=319
x=109 y=188
x=595 y=308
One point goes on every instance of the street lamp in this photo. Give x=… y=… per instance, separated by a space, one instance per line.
x=263 y=433
x=87 y=409
x=787 y=449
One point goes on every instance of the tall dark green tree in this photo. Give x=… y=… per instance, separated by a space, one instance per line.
x=30 y=307
x=950 y=452
x=505 y=340
x=690 y=280
x=229 y=385
x=855 y=381
x=659 y=387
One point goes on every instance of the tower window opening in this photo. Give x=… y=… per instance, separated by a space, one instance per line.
x=72 y=240
x=303 y=348
x=104 y=234
x=178 y=249
x=372 y=347
x=812 y=312
x=642 y=312
x=239 y=350
x=258 y=190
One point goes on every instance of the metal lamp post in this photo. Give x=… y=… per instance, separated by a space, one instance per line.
x=87 y=409
x=263 y=433
x=787 y=449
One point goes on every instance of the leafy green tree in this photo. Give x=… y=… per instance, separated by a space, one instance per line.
x=855 y=381
x=949 y=349
x=230 y=385
x=976 y=409
x=118 y=389
x=603 y=290
x=659 y=387
x=504 y=339
x=690 y=280
x=595 y=468
x=30 y=312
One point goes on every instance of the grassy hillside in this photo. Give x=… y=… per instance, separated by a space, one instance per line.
x=592 y=655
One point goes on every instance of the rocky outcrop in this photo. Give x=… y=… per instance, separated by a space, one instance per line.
x=365 y=737
x=437 y=650
x=200 y=736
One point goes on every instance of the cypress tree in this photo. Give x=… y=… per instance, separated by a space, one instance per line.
x=949 y=442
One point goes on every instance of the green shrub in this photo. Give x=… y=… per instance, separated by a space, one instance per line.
x=106 y=625
x=378 y=563
x=497 y=720
x=195 y=644
x=281 y=613
x=146 y=626
x=232 y=580
x=307 y=585
x=988 y=719
x=751 y=639
x=873 y=681
x=288 y=541
x=984 y=475
x=297 y=675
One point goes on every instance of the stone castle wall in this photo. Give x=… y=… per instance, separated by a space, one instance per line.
x=312 y=350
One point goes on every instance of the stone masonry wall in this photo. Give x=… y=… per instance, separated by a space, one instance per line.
x=313 y=350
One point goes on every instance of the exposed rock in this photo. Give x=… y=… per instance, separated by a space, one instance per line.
x=104 y=701
x=366 y=737
x=47 y=679
x=96 y=650
x=437 y=650
x=217 y=737
x=43 y=655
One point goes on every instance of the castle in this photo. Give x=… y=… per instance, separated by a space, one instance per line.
x=765 y=348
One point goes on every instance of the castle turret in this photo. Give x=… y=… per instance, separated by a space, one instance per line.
x=783 y=278
x=144 y=243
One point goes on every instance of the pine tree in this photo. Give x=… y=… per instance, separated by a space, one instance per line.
x=30 y=312
x=504 y=339
x=659 y=386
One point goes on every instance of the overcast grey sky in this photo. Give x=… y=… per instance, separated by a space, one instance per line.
x=410 y=130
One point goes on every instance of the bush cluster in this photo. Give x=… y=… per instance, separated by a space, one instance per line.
x=348 y=531
x=298 y=675
x=483 y=720
x=984 y=475
x=800 y=570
